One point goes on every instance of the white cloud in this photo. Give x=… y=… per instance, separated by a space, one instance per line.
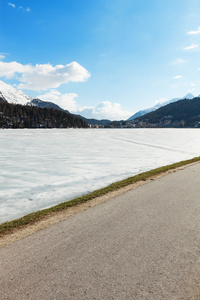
x=2 y=56
x=191 y=47
x=28 y=9
x=12 y=4
x=65 y=101
x=177 y=77
x=43 y=76
x=105 y=110
x=10 y=69
x=178 y=61
x=194 y=31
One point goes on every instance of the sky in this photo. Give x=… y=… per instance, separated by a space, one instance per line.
x=103 y=58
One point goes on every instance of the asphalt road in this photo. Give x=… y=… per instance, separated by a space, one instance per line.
x=144 y=244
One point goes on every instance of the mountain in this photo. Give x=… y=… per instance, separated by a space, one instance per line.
x=188 y=96
x=158 y=105
x=15 y=96
x=182 y=113
x=95 y=121
x=17 y=110
x=46 y=104
x=12 y=95
x=29 y=116
x=2 y=98
x=141 y=113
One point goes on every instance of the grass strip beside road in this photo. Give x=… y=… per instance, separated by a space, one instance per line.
x=36 y=216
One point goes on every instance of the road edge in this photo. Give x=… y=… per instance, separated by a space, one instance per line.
x=17 y=229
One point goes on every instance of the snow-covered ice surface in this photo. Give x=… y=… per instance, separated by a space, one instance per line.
x=41 y=168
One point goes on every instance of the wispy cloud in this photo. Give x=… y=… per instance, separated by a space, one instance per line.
x=193 y=46
x=12 y=5
x=24 y=9
x=194 y=32
x=20 y=7
x=43 y=76
x=177 y=77
x=178 y=61
x=2 y=56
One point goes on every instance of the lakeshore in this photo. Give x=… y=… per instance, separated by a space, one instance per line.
x=42 y=168
x=27 y=225
x=142 y=244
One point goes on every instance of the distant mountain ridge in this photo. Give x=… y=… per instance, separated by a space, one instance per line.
x=17 y=110
x=95 y=121
x=15 y=96
x=158 y=105
x=182 y=113
x=29 y=116
x=12 y=95
x=46 y=104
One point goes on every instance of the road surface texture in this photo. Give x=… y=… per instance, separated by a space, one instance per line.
x=144 y=244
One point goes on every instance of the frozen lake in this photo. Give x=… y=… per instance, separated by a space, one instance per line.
x=41 y=168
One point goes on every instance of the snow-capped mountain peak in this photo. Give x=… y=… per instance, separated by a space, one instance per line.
x=13 y=95
x=158 y=105
x=188 y=96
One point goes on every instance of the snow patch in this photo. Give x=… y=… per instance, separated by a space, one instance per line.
x=13 y=95
x=41 y=168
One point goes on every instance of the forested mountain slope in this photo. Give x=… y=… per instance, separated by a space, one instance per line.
x=185 y=113
x=29 y=116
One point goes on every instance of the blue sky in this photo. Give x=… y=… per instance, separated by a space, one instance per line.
x=105 y=58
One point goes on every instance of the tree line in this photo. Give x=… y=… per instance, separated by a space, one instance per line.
x=185 y=111
x=29 y=116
